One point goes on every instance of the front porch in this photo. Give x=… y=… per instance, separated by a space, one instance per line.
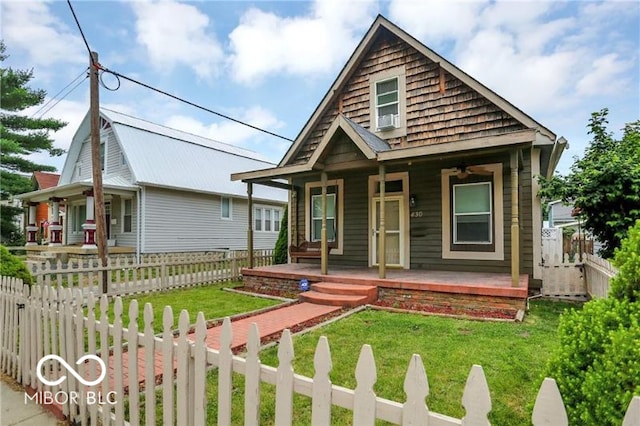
x=444 y=292
x=39 y=253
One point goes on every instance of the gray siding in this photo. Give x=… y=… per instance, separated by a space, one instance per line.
x=113 y=154
x=177 y=221
x=114 y=164
x=84 y=158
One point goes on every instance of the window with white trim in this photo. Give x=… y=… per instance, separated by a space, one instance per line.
x=127 y=215
x=79 y=215
x=266 y=219
x=225 y=208
x=387 y=104
x=276 y=220
x=257 y=219
x=472 y=213
x=316 y=217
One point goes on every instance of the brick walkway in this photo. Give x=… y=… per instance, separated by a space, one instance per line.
x=268 y=323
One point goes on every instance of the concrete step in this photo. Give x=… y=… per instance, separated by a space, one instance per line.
x=370 y=291
x=344 y=300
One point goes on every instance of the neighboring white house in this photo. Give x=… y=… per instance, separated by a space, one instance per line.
x=560 y=214
x=165 y=190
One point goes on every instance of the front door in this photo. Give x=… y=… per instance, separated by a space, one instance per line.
x=394 y=224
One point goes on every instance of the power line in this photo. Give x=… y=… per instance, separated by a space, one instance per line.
x=53 y=98
x=117 y=74
x=81 y=32
x=66 y=94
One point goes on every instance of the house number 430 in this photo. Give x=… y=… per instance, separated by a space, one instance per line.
x=416 y=214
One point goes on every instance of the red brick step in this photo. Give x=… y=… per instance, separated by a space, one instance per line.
x=337 y=294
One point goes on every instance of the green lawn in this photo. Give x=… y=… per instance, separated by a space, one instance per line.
x=212 y=300
x=513 y=356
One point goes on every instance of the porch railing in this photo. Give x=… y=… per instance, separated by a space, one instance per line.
x=153 y=273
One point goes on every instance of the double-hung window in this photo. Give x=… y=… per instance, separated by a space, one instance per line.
x=472 y=213
x=79 y=217
x=225 y=208
x=387 y=104
x=257 y=219
x=127 y=215
x=316 y=217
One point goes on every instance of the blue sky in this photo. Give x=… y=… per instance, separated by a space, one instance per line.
x=270 y=63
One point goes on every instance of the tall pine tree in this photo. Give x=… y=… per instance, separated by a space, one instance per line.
x=20 y=136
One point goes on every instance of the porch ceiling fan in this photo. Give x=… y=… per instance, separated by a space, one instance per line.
x=463 y=171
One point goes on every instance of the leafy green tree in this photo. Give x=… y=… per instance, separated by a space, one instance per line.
x=280 y=253
x=604 y=185
x=20 y=136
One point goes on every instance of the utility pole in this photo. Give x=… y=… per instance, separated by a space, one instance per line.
x=96 y=166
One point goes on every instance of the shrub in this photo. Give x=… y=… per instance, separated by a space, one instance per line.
x=12 y=266
x=280 y=252
x=597 y=364
x=626 y=284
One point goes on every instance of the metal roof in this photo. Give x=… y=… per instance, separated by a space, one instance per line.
x=165 y=157
x=374 y=142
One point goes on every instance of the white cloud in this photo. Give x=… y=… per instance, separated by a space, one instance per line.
x=605 y=76
x=174 y=34
x=31 y=26
x=265 y=43
x=539 y=55
x=436 y=21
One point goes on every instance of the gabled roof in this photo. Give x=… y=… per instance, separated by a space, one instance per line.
x=46 y=180
x=164 y=157
x=382 y=24
x=368 y=143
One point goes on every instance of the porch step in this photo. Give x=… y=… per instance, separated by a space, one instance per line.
x=336 y=294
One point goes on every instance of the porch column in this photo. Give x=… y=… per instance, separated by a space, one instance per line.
x=89 y=226
x=324 y=255
x=515 y=223
x=55 y=228
x=250 y=227
x=32 y=228
x=382 y=234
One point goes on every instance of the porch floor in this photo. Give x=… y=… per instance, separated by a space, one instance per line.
x=478 y=283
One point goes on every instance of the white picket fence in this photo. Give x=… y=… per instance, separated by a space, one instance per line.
x=153 y=273
x=51 y=320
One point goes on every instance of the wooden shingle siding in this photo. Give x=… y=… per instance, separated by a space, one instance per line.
x=432 y=117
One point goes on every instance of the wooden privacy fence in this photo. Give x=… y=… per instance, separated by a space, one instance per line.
x=154 y=272
x=572 y=275
x=598 y=273
x=52 y=320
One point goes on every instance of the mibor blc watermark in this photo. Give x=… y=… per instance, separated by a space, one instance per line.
x=88 y=397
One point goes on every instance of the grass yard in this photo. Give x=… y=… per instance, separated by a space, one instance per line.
x=513 y=356
x=212 y=300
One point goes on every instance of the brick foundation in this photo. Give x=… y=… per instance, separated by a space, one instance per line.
x=446 y=302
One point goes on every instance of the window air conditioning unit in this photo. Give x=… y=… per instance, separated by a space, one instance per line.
x=388 y=121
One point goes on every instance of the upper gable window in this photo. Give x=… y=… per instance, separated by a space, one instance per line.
x=388 y=102
x=387 y=105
